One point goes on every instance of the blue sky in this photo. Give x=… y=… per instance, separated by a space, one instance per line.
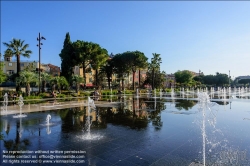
x=190 y=35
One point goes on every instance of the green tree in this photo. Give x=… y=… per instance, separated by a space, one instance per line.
x=108 y=70
x=83 y=51
x=98 y=58
x=17 y=48
x=134 y=60
x=26 y=78
x=67 y=56
x=244 y=81
x=59 y=82
x=77 y=80
x=183 y=77
x=221 y=79
x=45 y=77
x=154 y=69
x=119 y=67
x=2 y=74
x=159 y=79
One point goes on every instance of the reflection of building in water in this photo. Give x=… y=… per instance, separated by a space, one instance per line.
x=136 y=106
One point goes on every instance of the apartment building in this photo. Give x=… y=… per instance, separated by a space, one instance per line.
x=128 y=80
x=10 y=66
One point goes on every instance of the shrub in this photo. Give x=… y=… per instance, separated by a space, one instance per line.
x=61 y=96
x=32 y=97
x=44 y=95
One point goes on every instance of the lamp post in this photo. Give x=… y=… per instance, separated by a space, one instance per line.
x=39 y=68
x=229 y=78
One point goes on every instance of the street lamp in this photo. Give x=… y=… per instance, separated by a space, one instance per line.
x=39 y=47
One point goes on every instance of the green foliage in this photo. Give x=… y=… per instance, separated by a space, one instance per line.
x=133 y=60
x=61 y=95
x=45 y=77
x=183 y=77
x=26 y=78
x=244 y=81
x=154 y=75
x=32 y=98
x=67 y=56
x=45 y=95
x=219 y=79
x=59 y=83
x=88 y=53
x=3 y=76
x=16 y=47
x=76 y=81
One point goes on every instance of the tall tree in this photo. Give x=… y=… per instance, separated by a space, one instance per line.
x=83 y=51
x=89 y=55
x=108 y=70
x=120 y=67
x=98 y=59
x=154 y=67
x=17 y=48
x=67 y=56
x=134 y=60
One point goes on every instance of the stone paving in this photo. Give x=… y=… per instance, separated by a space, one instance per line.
x=50 y=104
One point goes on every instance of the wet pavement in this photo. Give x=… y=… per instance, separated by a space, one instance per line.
x=125 y=132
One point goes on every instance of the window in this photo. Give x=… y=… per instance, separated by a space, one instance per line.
x=22 y=64
x=90 y=79
x=10 y=64
x=8 y=59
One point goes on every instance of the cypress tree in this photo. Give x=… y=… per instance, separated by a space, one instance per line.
x=67 y=58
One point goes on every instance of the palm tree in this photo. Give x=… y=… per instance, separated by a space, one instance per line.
x=59 y=82
x=77 y=80
x=16 y=47
x=26 y=78
x=45 y=77
x=155 y=67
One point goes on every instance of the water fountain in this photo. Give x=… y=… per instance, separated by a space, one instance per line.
x=48 y=124
x=172 y=92
x=47 y=119
x=137 y=93
x=20 y=103
x=88 y=135
x=5 y=102
x=212 y=137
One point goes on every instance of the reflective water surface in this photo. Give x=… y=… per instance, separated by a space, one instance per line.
x=136 y=131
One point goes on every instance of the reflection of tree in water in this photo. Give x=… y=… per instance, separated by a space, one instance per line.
x=185 y=104
x=17 y=144
x=222 y=102
x=136 y=114
x=74 y=119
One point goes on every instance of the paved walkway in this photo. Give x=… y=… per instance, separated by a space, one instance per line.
x=50 y=105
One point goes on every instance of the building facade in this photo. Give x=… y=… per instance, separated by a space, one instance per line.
x=10 y=67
